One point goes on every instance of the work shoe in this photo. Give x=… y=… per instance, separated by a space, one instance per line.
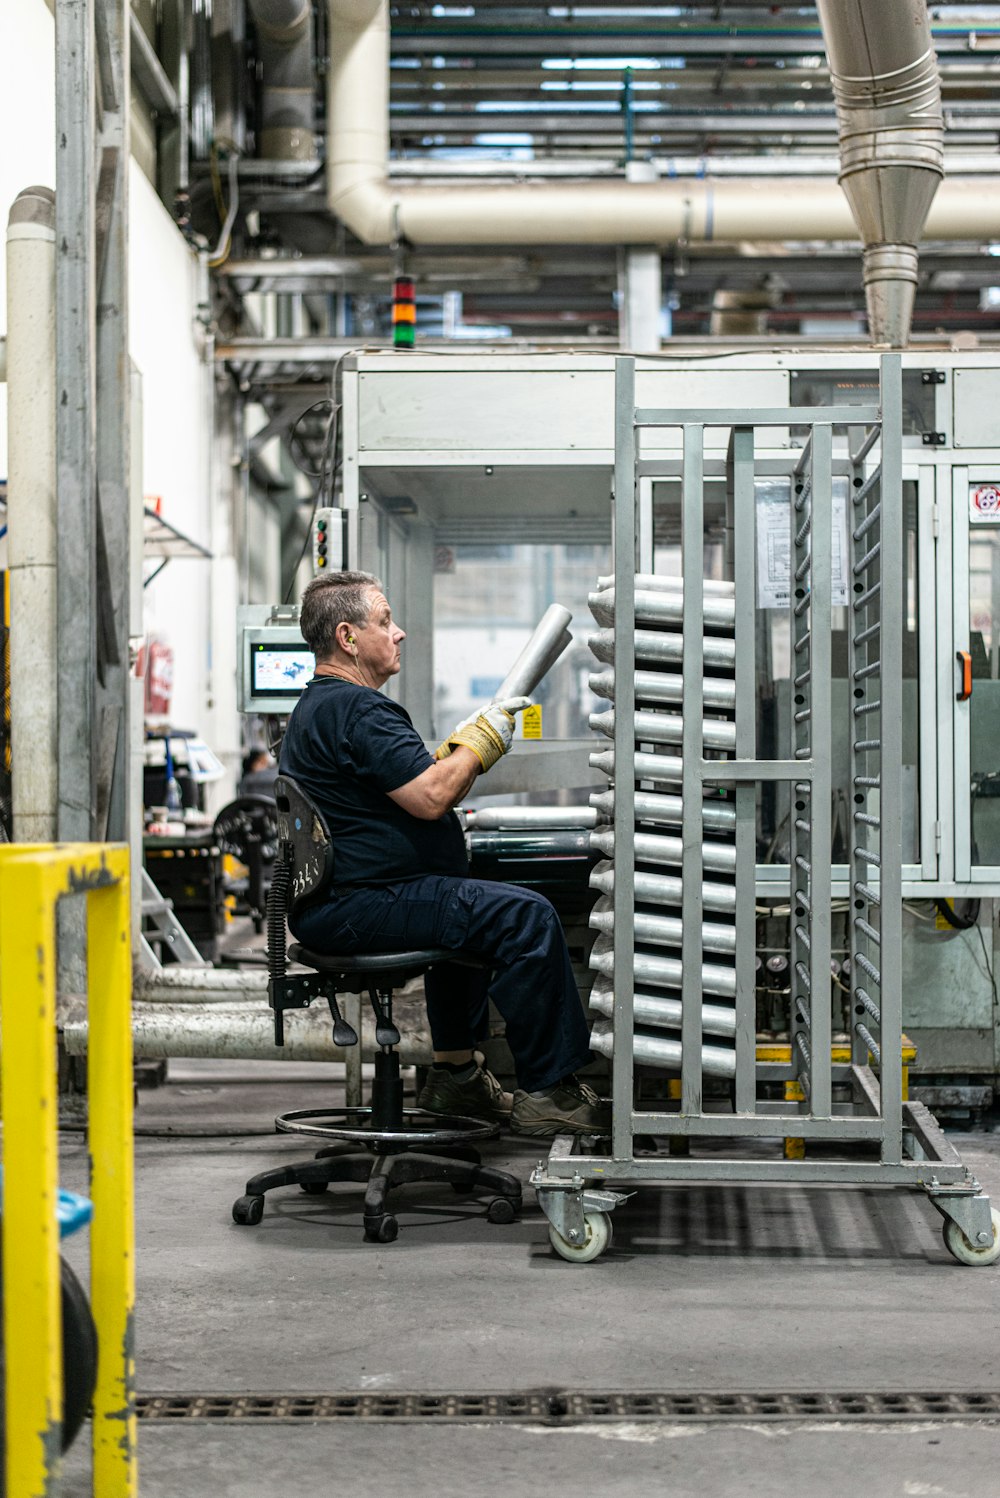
x=570 y=1107
x=477 y=1096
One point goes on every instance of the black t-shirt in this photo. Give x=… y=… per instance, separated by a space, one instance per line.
x=347 y=746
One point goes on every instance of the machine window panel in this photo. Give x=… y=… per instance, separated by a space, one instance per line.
x=984 y=703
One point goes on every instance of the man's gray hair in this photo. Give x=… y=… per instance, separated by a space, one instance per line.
x=336 y=598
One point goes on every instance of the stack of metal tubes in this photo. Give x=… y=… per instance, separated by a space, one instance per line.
x=657 y=843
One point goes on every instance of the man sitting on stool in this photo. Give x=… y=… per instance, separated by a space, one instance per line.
x=400 y=872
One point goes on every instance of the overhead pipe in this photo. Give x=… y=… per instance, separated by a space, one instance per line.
x=531 y=213
x=888 y=95
x=31 y=511
x=288 y=85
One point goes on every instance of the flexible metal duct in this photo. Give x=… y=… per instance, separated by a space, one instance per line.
x=888 y=94
x=527 y=213
x=288 y=91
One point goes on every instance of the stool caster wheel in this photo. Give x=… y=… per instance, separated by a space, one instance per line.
x=501 y=1209
x=313 y=1188
x=248 y=1210
x=385 y=1230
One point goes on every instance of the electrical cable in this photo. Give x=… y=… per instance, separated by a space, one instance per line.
x=221 y=252
x=959 y=922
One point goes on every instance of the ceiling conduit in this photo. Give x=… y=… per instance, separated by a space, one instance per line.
x=595 y=212
x=888 y=94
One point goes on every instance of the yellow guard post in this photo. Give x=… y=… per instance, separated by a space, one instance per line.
x=32 y=879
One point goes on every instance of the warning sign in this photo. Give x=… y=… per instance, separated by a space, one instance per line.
x=531 y=721
x=984 y=504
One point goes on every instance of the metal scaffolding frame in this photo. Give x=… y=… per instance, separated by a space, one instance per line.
x=839 y=1104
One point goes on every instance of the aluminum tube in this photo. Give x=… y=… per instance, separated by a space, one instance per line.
x=662 y=769
x=498 y=818
x=718 y=858
x=664 y=686
x=243 y=1032
x=650 y=1049
x=663 y=972
x=661 y=1011
x=667 y=728
x=548 y=640
x=666 y=583
x=664 y=889
x=650 y=807
x=654 y=647
x=660 y=607
x=31 y=512
x=663 y=930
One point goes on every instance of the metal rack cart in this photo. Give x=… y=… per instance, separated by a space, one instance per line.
x=675 y=954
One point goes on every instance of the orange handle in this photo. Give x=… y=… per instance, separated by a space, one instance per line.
x=964 y=659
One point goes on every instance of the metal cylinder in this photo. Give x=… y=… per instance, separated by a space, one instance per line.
x=662 y=769
x=549 y=639
x=653 y=727
x=651 y=847
x=657 y=606
x=665 y=686
x=663 y=930
x=668 y=584
x=662 y=1010
x=654 y=647
x=663 y=972
x=653 y=1049
x=652 y=807
x=499 y=818
x=664 y=889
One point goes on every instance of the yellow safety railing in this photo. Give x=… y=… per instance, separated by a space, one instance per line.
x=33 y=877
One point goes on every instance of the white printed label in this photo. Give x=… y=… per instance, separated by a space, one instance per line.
x=774 y=545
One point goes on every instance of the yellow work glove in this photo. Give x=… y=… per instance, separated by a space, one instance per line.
x=487 y=733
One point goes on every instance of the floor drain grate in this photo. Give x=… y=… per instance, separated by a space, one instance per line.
x=556 y=1406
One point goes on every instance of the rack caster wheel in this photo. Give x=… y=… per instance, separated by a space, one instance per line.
x=248 y=1210
x=313 y=1188
x=386 y=1230
x=972 y=1254
x=501 y=1209
x=596 y=1237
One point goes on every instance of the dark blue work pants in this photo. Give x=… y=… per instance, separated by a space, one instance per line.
x=516 y=931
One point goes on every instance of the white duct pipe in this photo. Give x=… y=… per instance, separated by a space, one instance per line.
x=888 y=94
x=643 y=213
x=31 y=510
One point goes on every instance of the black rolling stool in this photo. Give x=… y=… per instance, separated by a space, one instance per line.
x=397 y=1144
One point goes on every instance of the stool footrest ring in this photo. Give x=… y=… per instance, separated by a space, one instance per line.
x=419 y=1128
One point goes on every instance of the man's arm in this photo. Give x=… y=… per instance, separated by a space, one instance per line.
x=440 y=787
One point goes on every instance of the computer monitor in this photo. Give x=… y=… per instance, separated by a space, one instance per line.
x=275 y=666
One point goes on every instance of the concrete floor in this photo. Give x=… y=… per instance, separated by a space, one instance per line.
x=720 y=1288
